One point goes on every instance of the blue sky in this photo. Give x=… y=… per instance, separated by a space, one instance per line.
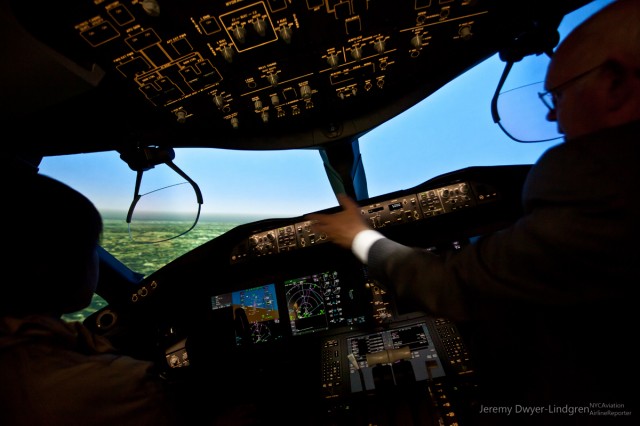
x=451 y=130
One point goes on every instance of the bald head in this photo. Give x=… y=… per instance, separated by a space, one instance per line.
x=611 y=33
x=609 y=44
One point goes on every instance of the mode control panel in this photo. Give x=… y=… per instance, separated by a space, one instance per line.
x=393 y=211
x=446 y=199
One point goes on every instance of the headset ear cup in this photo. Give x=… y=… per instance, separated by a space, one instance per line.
x=146 y=158
x=157 y=155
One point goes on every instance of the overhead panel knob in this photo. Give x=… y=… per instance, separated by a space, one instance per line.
x=416 y=41
x=305 y=91
x=465 y=32
x=260 y=26
x=356 y=53
x=239 y=33
x=181 y=116
x=379 y=46
x=227 y=53
x=218 y=100
x=333 y=60
x=151 y=7
x=286 y=33
x=273 y=79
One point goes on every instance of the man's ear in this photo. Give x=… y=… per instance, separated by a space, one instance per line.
x=618 y=87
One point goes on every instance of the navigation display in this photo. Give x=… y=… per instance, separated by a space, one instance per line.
x=321 y=302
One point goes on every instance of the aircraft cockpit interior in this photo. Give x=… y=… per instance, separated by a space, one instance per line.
x=266 y=313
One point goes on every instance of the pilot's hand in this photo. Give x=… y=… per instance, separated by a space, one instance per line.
x=342 y=227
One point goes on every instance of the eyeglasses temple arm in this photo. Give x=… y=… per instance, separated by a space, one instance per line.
x=494 y=100
x=195 y=186
x=136 y=195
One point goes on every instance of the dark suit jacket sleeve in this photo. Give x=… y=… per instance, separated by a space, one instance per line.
x=574 y=245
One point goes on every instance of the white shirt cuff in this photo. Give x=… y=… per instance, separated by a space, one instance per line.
x=363 y=242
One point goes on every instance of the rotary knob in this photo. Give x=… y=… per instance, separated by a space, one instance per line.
x=356 y=53
x=227 y=53
x=260 y=26
x=379 y=46
x=305 y=91
x=273 y=79
x=239 y=33
x=285 y=34
x=465 y=32
x=218 y=100
x=181 y=116
x=333 y=60
x=416 y=41
x=151 y=7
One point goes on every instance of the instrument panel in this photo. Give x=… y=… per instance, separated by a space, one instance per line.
x=310 y=314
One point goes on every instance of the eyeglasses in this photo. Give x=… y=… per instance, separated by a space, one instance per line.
x=519 y=114
x=550 y=97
